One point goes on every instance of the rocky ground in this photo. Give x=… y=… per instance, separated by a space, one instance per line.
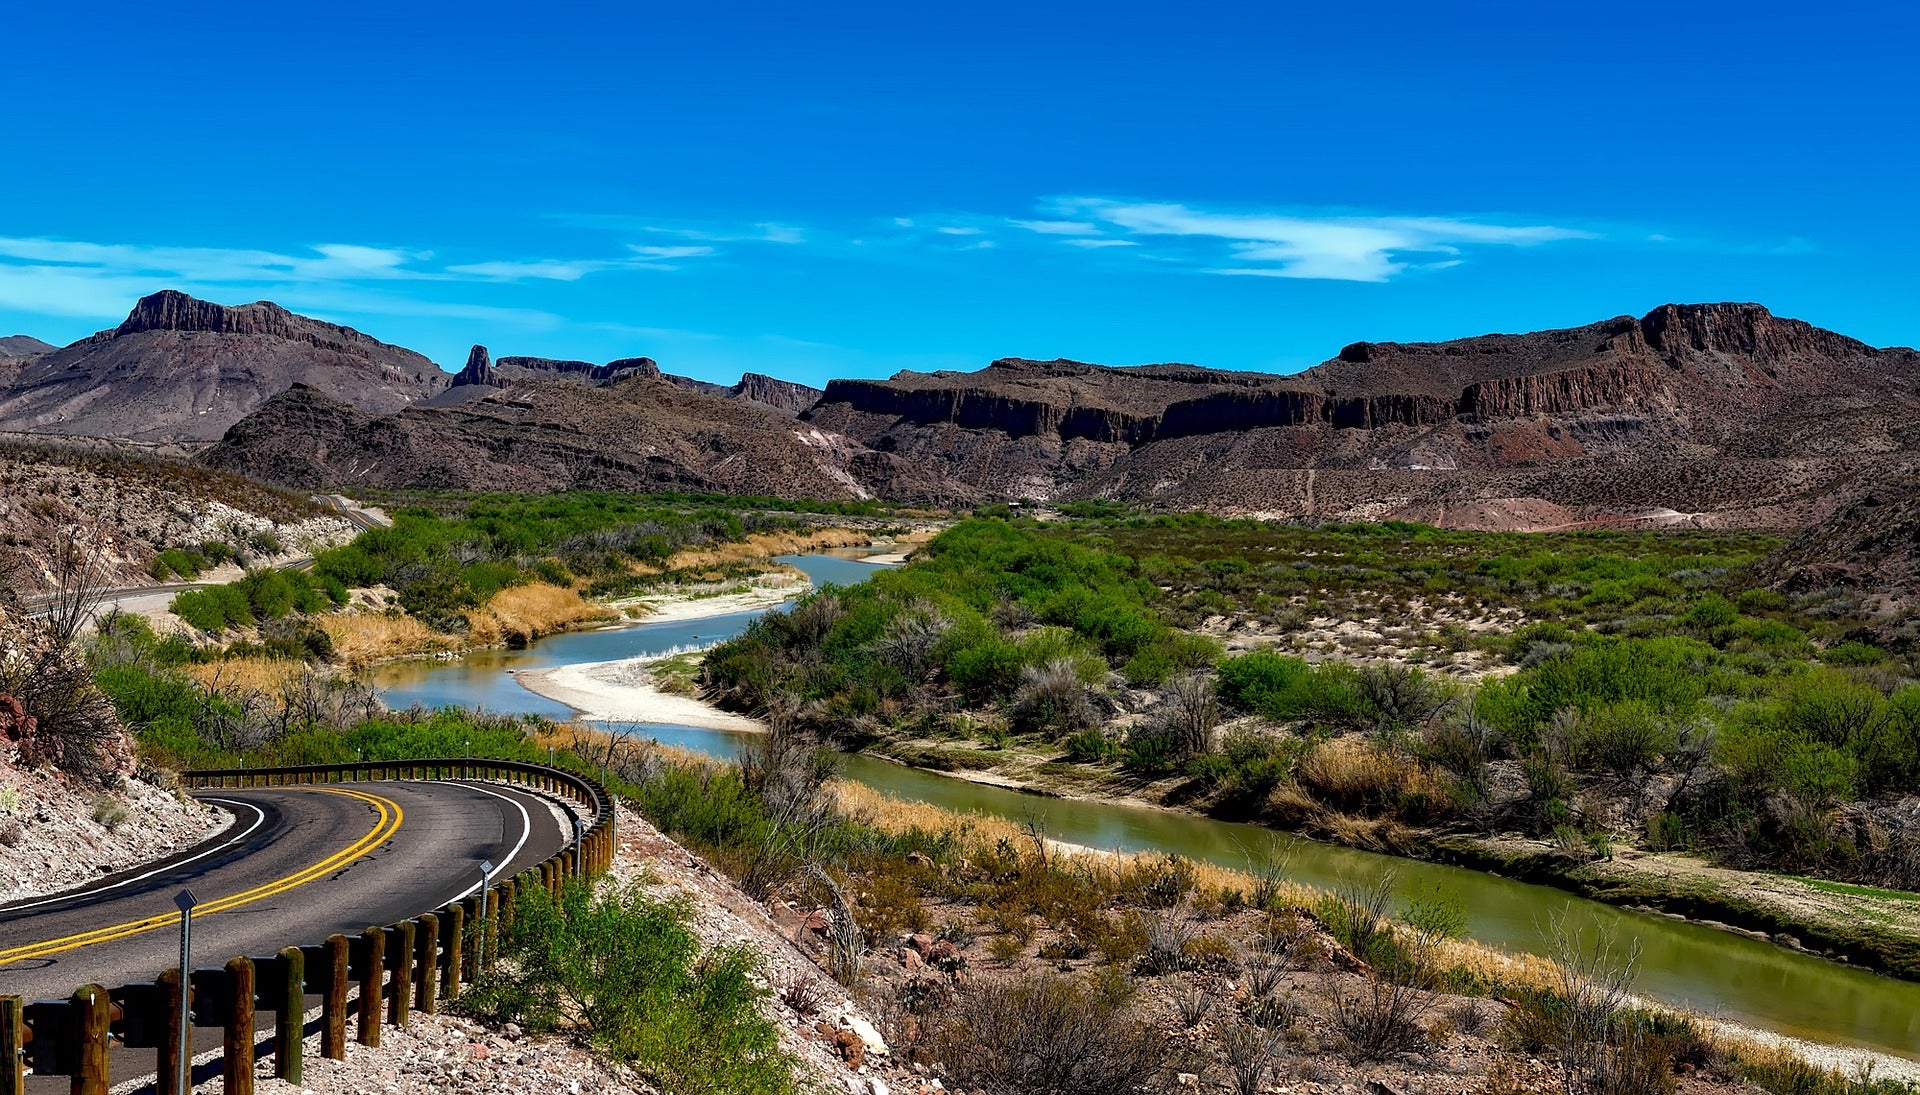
x=130 y=506
x=55 y=835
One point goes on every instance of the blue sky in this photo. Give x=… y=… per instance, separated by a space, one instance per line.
x=848 y=190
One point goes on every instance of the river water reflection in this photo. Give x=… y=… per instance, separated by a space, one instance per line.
x=1713 y=972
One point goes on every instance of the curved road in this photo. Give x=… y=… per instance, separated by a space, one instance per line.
x=298 y=864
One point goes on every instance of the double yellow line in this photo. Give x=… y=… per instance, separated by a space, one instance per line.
x=386 y=826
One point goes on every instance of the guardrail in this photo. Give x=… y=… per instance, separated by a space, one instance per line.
x=414 y=964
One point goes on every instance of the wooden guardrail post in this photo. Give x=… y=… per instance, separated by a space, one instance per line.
x=401 y=948
x=456 y=925
x=290 y=1016
x=94 y=1010
x=479 y=942
x=13 y=1046
x=167 y=1065
x=333 y=1012
x=427 y=939
x=508 y=889
x=236 y=1070
x=372 y=974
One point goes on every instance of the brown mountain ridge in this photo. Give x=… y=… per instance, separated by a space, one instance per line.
x=1704 y=414
x=1719 y=413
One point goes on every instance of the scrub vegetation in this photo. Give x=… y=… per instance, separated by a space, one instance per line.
x=1593 y=690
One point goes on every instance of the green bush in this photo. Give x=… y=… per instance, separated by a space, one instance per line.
x=626 y=971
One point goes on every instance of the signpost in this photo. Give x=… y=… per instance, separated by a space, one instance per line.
x=183 y=1052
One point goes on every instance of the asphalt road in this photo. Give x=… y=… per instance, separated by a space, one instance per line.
x=299 y=864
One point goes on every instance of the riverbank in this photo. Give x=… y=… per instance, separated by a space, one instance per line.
x=376 y=632
x=1504 y=976
x=1874 y=929
x=763 y=591
x=628 y=691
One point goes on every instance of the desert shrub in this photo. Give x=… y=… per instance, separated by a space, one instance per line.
x=627 y=973
x=52 y=706
x=1377 y=1017
x=109 y=812
x=1090 y=745
x=1398 y=698
x=1151 y=749
x=1623 y=738
x=888 y=906
x=1052 y=698
x=1047 y=1035
x=1175 y=654
x=213 y=609
x=1253 y=1050
x=1261 y=681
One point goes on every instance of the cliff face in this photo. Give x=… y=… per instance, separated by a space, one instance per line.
x=782 y=396
x=180 y=369
x=535 y=368
x=1691 y=388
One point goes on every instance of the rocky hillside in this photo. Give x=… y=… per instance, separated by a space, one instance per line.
x=639 y=433
x=1710 y=414
x=74 y=805
x=128 y=507
x=181 y=369
x=1869 y=547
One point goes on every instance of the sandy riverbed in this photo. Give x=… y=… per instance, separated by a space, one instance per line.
x=625 y=691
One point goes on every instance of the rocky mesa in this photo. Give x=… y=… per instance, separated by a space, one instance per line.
x=182 y=369
x=1724 y=413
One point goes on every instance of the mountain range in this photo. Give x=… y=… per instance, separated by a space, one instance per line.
x=1707 y=414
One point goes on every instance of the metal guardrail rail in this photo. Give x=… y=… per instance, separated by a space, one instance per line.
x=414 y=964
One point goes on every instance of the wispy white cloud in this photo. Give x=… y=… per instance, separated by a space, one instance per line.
x=324 y=262
x=1056 y=228
x=533 y=270
x=958 y=230
x=1097 y=243
x=1311 y=244
x=686 y=251
x=81 y=278
x=704 y=232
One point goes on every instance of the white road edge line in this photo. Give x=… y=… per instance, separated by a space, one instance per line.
x=526 y=831
x=259 y=817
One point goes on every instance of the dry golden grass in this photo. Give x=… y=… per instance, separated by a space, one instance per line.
x=765 y=545
x=1352 y=769
x=520 y=614
x=258 y=675
x=361 y=638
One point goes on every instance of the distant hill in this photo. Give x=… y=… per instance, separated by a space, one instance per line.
x=181 y=369
x=23 y=346
x=1692 y=414
x=642 y=432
